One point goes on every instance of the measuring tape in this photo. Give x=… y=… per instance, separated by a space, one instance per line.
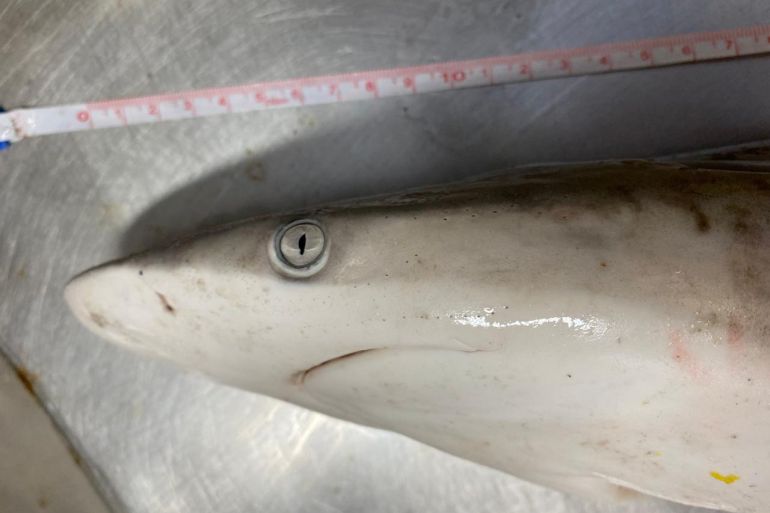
x=649 y=53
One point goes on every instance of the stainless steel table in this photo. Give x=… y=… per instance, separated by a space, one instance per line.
x=160 y=440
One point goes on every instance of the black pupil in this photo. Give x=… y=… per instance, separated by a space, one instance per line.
x=302 y=241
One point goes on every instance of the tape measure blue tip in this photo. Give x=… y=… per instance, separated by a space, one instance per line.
x=4 y=145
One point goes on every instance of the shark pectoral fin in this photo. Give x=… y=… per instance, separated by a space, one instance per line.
x=574 y=424
x=464 y=403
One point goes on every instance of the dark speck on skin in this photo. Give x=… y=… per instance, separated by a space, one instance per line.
x=702 y=221
x=98 y=319
x=603 y=264
x=166 y=305
x=141 y=273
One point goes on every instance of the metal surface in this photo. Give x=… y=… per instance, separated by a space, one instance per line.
x=38 y=470
x=162 y=440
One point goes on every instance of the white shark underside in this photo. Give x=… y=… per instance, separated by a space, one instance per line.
x=593 y=329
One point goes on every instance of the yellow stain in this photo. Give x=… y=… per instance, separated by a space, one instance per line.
x=728 y=479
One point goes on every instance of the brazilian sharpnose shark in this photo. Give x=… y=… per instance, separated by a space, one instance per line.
x=599 y=329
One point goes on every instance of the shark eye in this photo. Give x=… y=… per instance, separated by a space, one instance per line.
x=299 y=249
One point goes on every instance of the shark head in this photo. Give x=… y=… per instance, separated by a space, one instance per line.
x=525 y=326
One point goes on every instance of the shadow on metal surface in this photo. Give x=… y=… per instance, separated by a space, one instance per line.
x=298 y=175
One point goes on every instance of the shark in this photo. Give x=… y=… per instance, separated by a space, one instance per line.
x=601 y=329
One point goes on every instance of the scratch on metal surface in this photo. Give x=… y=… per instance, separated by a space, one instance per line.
x=139 y=52
x=545 y=27
x=270 y=415
x=289 y=14
x=307 y=432
x=10 y=241
x=23 y=28
x=325 y=506
x=551 y=103
x=249 y=431
x=29 y=53
x=54 y=76
x=46 y=283
x=7 y=8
